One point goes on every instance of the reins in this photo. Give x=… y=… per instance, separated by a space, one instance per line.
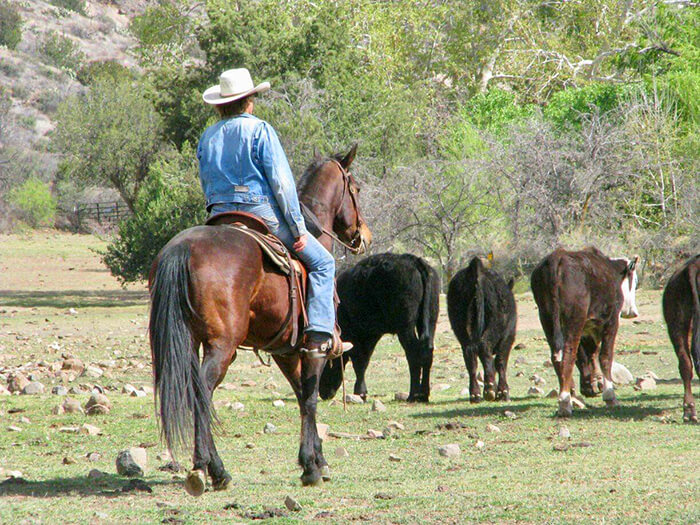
x=358 y=224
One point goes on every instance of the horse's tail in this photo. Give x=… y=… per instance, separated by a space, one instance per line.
x=178 y=384
x=429 y=307
x=695 y=341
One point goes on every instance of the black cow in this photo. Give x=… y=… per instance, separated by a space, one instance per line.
x=681 y=305
x=481 y=308
x=581 y=296
x=386 y=294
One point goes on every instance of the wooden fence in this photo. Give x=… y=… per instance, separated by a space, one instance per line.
x=101 y=212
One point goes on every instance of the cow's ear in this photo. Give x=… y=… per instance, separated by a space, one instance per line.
x=347 y=160
x=633 y=264
x=511 y=283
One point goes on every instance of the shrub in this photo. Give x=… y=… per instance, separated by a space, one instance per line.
x=33 y=202
x=61 y=52
x=10 y=25
x=73 y=5
x=48 y=100
x=111 y=69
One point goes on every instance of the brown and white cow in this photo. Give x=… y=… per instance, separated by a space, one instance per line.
x=582 y=294
x=681 y=305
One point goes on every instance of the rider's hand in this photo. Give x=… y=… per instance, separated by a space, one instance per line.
x=300 y=243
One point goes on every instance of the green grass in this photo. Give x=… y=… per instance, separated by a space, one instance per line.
x=642 y=465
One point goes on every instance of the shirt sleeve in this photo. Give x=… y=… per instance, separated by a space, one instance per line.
x=279 y=175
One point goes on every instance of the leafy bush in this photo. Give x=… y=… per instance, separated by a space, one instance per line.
x=61 y=52
x=33 y=202
x=111 y=69
x=170 y=201
x=568 y=105
x=48 y=100
x=73 y=5
x=10 y=25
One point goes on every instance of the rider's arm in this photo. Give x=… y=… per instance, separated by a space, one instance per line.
x=279 y=175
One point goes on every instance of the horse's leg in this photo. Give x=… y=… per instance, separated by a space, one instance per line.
x=303 y=374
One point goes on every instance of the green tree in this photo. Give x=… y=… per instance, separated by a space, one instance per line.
x=33 y=202
x=110 y=135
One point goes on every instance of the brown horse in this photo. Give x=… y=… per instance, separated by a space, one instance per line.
x=212 y=286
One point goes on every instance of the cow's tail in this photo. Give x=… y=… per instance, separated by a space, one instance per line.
x=695 y=341
x=179 y=387
x=557 y=335
x=477 y=307
x=429 y=307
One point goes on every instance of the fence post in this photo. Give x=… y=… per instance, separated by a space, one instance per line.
x=97 y=204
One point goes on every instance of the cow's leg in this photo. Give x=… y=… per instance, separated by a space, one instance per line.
x=471 y=361
x=411 y=348
x=566 y=373
x=685 y=367
x=587 y=363
x=426 y=363
x=303 y=373
x=361 y=353
x=502 y=354
x=487 y=361
x=607 y=353
x=218 y=355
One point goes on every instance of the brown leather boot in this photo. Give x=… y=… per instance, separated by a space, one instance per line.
x=316 y=344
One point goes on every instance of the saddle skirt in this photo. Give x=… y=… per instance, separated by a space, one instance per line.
x=283 y=260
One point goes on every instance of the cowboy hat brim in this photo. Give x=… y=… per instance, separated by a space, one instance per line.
x=213 y=94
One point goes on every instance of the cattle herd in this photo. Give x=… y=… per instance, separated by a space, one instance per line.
x=580 y=296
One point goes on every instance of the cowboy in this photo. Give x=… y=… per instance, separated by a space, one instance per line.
x=242 y=167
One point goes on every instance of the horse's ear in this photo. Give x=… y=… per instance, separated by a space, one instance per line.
x=347 y=160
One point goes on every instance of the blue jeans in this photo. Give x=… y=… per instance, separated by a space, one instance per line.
x=319 y=263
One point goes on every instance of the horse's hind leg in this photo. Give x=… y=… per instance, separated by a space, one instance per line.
x=303 y=373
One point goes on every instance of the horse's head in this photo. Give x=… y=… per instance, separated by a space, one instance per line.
x=331 y=192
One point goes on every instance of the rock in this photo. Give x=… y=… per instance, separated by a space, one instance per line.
x=17 y=383
x=58 y=410
x=128 y=389
x=250 y=383
x=278 y=403
x=451 y=450
x=493 y=428
x=69 y=430
x=164 y=456
x=72 y=311
x=147 y=389
x=354 y=398
x=90 y=430
x=401 y=396
x=59 y=390
x=520 y=360
x=171 y=466
x=645 y=383
x=535 y=391
x=383 y=495
x=564 y=433
x=538 y=380
x=322 y=430
x=93 y=456
x=292 y=504
x=72 y=406
x=131 y=462
x=68 y=460
x=94 y=473
x=25 y=420
x=98 y=404
x=378 y=406
x=440 y=387
x=97 y=410
x=620 y=375
x=394 y=458
x=137 y=485
x=547 y=364
x=250 y=445
x=519 y=346
x=237 y=406
x=464 y=392
x=375 y=434
x=4 y=391
x=13 y=428
x=509 y=414
x=269 y=428
x=479 y=444
x=341 y=452
x=395 y=425
x=33 y=388
x=138 y=393
x=553 y=394
x=651 y=374
x=93 y=371
x=577 y=402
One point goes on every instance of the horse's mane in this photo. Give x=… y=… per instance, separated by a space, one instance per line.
x=314 y=166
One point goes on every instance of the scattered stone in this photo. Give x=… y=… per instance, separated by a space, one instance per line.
x=250 y=445
x=164 y=456
x=645 y=383
x=131 y=462
x=93 y=371
x=237 y=406
x=538 y=380
x=519 y=346
x=72 y=406
x=17 y=383
x=249 y=383
x=375 y=434
x=33 y=388
x=451 y=450
x=69 y=430
x=4 y=391
x=90 y=430
x=378 y=406
x=269 y=428
x=354 y=398
x=278 y=403
x=394 y=458
x=94 y=456
x=58 y=410
x=564 y=433
x=266 y=514
x=171 y=466
x=94 y=473
x=620 y=374
x=575 y=401
x=13 y=428
x=97 y=410
x=341 y=452
x=73 y=365
x=464 y=392
x=25 y=420
x=553 y=394
x=561 y=447
x=98 y=404
x=401 y=396
x=493 y=428
x=137 y=485
x=128 y=389
x=138 y=393
x=509 y=414
x=479 y=444
x=383 y=495
x=547 y=364
x=322 y=430
x=59 y=390
x=395 y=425
x=535 y=391
x=292 y=504
x=440 y=387
x=68 y=460
x=147 y=389
x=519 y=373
x=651 y=374
x=72 y=311
x=520 y=360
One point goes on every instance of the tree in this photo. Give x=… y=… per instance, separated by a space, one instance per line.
x=110 y=135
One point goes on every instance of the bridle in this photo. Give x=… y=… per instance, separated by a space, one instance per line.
x=355 y=244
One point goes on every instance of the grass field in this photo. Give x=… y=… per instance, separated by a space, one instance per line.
x=635 y=464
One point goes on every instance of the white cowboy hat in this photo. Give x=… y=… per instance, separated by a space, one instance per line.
x=233 y=84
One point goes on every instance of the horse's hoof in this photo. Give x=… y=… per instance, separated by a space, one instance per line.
x=612 y=403
x=689 y=414
x=311 y=480
x=475 y=399
x=195 y=483
x=503 y=395
x=325 y=473
x=490 y=395
x=222 y=483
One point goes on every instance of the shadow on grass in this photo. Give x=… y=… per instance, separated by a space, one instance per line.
x=465 y=408
x=109 y=486
x=72 y=298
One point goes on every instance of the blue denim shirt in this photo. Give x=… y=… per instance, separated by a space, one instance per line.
x=241 y=160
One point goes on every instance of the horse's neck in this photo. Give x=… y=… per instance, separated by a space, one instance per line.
x=323 y=208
